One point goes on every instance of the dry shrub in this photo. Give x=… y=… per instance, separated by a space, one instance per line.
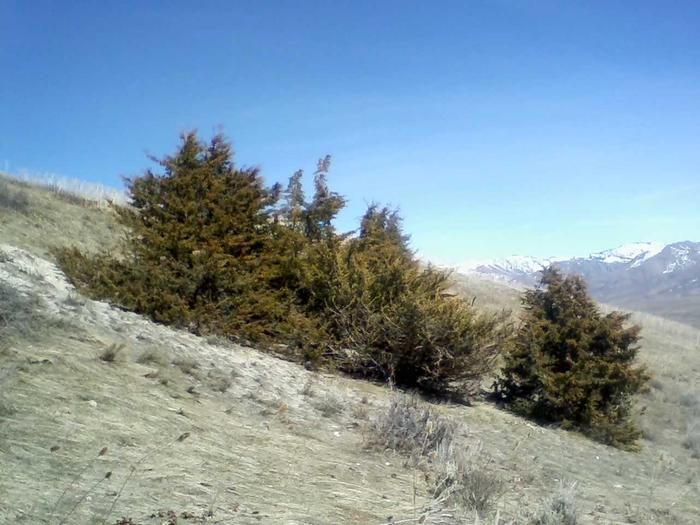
x=411 y=428
x=557 y=509
x=10 y=199
x=152 y=355
x=19 y=314
x=463 y=481
x=689 y=399
x=187 y=365
x=692 y=438
x=329 y=405
x=219 y=381
x=113 y=352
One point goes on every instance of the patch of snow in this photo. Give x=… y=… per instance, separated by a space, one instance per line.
x=681 y=259
x=519 y=264
x=635 y=253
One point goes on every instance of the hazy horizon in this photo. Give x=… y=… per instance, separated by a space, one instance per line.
x=497 y=128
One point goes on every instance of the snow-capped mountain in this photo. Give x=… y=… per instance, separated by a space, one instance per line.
x=654 y=277
x=635 y=253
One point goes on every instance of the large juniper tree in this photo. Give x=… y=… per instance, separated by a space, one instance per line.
x=201 y=250
x=210 y=249
x=569 y=363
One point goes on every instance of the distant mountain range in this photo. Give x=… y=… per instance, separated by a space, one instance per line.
x=663 y=279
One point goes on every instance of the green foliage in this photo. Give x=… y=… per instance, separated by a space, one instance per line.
x=211 y=249
x=394 y=318
x=568 y=363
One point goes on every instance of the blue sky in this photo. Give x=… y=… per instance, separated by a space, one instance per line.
x=498 y=128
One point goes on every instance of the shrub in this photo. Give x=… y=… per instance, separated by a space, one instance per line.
x=411 y=428
x=16 y=200
x=462 y=481
x=572 y=365
x=152 y=355
x=212 y=250
x=692 y=438
x=557 y=509
x=187 y=365
x=689 y=399
x=394 y=318
x=329 y=405
x=112 y=352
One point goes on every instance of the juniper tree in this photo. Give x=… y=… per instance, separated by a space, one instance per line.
x=201 y=251
x=568 y=363
x=209 y=248
x=324 y=206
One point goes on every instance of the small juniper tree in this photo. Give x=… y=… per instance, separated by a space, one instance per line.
x=396 y=317
x=569 y=363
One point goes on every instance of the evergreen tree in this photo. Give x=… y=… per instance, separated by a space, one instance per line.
x=570 y=364
x=295 y=203
x=210 y=249
x=325 y=205
x=202 y=252
x=392 y=317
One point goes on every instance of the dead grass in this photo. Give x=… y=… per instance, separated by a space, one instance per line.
x=260 y=452
x=410 y=427
x=113 y=352
x=329 y=405
x=557 y=509
x=187 y=365
x=46 y=221
x=13 y=199
x=153 y=356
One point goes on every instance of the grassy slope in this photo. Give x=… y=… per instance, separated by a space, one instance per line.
x=271 y=449
x=52 y=219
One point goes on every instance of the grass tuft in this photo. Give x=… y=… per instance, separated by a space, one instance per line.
x=15 y=200
x=152 y=356
x=112 y=353
x=557 y=509
x=411 y=428
x=329 y=405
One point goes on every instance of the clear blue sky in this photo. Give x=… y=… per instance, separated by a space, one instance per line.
x=501 y=127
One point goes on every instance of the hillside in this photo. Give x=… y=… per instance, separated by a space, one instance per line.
x=39 y=216
x=264 y=440
x=660 y=279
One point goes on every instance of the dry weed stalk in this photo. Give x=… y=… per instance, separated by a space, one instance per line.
x=132 y=469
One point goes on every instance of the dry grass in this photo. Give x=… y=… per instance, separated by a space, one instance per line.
x=12 y=199
x=71 y=190
x=153 y=355
x=410 y=427
x=557 y=509
x=113 y=352
x=46 y=221
x=261 y=452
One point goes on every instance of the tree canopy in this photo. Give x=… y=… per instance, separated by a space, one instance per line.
x=569 y=363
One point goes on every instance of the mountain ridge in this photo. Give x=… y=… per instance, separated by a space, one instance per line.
x=663 y=279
